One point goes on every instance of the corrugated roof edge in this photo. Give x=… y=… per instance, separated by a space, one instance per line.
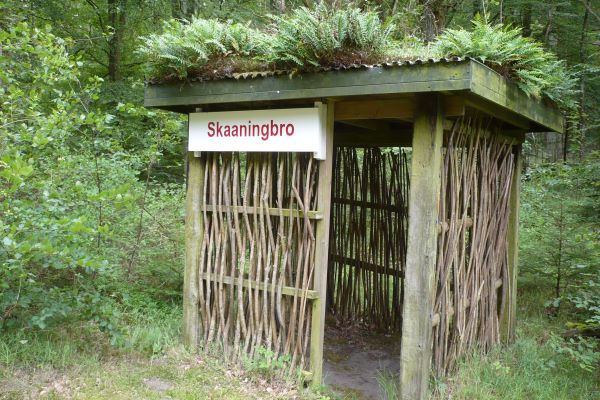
x=265 y=74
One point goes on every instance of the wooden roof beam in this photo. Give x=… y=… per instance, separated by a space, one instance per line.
x=403 y=108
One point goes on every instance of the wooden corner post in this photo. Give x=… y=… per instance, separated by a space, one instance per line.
x=322 y=252
x=423 y=214
x=193 y=241
x=508 y=323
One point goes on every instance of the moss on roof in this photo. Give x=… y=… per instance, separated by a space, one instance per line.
x=320 y=38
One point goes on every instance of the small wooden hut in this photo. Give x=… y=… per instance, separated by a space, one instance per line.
x=402 y=211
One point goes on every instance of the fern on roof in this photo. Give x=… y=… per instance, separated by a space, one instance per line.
x=323 y=37
x=186 y=48
x=503 y=48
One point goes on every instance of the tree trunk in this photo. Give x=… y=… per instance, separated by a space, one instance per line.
x=116 y=19
x=582 y=60
x=526 y=18
x=184 y=9
x=548 y=28
x=278 y=6
x=433 y=18
x=560 y=251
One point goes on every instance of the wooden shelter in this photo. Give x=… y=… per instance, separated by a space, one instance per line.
x=420 y=239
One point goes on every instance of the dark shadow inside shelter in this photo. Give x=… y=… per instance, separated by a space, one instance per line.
x=367 y=254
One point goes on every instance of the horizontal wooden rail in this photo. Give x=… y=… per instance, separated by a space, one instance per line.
x=368 y=204
x=247 y=283
x=380 y=269
x=435 y=320
x=276 y=212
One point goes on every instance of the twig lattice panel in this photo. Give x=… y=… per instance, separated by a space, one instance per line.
x=257 y=255
x=368 y=229
x=472 y=246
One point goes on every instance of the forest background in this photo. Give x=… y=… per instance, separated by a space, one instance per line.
x=92 y=193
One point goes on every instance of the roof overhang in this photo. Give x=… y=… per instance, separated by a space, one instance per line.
x=478 y=85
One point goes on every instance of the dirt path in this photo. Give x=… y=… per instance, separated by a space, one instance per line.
x=354 y=359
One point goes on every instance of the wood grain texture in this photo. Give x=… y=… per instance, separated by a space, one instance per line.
x=193 y=238
x=423 y=222
x=472 y=244
x=256 y=266
x=322 y=252
x=507 y=329
x=502 y=96
x=428 y=77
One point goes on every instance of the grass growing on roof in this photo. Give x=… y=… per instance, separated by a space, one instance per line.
x=309 y=39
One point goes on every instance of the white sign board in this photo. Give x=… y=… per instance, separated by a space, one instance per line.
x=284 y=130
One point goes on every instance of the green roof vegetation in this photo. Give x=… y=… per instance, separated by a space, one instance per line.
x=322 y=37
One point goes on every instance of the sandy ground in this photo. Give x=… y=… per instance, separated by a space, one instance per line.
x=355 y=357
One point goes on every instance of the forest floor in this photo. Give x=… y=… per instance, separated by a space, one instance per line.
x=76 y=362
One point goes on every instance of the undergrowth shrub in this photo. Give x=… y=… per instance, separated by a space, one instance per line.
x=49 y=272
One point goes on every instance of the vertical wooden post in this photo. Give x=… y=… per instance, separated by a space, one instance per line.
x=423 y=212
x=508 y=323
x=193 y=241
x=322 y=253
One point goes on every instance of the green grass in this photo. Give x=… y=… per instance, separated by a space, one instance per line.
x=76 y=361
x=527 y=369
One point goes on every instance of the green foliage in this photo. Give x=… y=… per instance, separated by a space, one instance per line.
x=558 y=240
x=581 y=350
x=389 y=385
x=199 y=47
x=327 y=36
x=266 y=364
x=75 y=217
x=560 y=246
x=536 y=70
x=47 y=269
x=323 y=37
x=527 y=369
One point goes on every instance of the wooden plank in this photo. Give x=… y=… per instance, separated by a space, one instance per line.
x=276 y=212
x=435 y=321
x=489 y=85
x=424 y=199
x=508 y=323
x=402 y=108
x=193 y=242
x=285 y=290
x=317 y=331
x=399 y=108
x=429 y=77
x=453 y=77
x=367 y=124
x=454 y=105
x=488 y=107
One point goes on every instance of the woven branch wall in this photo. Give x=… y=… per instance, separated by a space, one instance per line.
x=257 y=253
x=367 y=246
x=472 y=247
